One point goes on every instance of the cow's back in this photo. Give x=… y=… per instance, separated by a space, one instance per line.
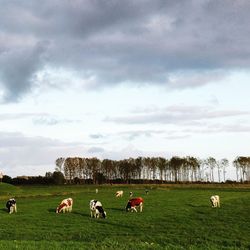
x=136 y=201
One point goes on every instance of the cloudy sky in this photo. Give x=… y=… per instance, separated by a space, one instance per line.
x=116 y=79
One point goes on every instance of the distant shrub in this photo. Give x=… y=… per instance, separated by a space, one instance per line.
x=58 y=178
x=7 y=179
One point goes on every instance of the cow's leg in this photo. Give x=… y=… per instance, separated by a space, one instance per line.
x=141 y=206
x=97 y=215
x=133 y=209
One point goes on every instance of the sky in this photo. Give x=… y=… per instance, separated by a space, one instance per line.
x=117 y=79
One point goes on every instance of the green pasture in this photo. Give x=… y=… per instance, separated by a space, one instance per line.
x=174 y=217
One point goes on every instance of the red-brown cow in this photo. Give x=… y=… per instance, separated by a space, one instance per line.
x=133 y=203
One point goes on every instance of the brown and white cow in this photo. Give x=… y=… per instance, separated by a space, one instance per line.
x=65 y=206
x=119 y=193
x=133 y=203
x=215 y=200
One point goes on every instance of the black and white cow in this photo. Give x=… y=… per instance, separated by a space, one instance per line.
x=96 y=209
x=11 y=206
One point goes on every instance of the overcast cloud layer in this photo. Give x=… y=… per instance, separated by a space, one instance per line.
x=114 y=42
x=116 y=79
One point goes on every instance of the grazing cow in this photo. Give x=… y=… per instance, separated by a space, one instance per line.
x=133 y=203
x=215 y=200
x=65 y=206
x=130 y=194
x=11 y=206
x=96 y=209
x=119 y=193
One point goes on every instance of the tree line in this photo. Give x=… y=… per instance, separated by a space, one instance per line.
x=150 y=169
x=56 y=178
x=145 y=170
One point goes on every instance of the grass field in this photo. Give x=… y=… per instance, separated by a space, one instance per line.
x=174 y=217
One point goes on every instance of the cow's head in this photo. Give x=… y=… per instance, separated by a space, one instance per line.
x=128 y=207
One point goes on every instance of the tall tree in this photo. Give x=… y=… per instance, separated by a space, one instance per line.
x=175 y=165
x=212 y=163
x=224 y=164
x=59 y=164
x=162 y=166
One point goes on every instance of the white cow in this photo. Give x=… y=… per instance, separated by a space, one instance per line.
x=119 y=193
x=215 y=200
x=96 y=209
x=65 y=206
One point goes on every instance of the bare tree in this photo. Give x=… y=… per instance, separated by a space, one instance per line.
x=224 y=164
x=59 y=164
x=212 y=163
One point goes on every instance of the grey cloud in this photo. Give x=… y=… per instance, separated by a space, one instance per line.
x=19 y=140
x=177 y=115
x=177 y=137
x=94 y=150
x=21 y=154
x=127 y=135
x=17 y=69
x=37 y=118
x=133 y=134
x=219 y=128
x=14 y=116
x=132 y=151
x=51 y=120
x=96 y=136
x=116 y=42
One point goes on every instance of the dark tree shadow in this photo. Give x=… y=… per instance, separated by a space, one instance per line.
x=195 y=205
x=81 y=214
x=117 y=209
x=107 y=221
x=4 y=209
x=52 y=210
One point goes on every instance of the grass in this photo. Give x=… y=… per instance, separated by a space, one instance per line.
x=174 y=217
